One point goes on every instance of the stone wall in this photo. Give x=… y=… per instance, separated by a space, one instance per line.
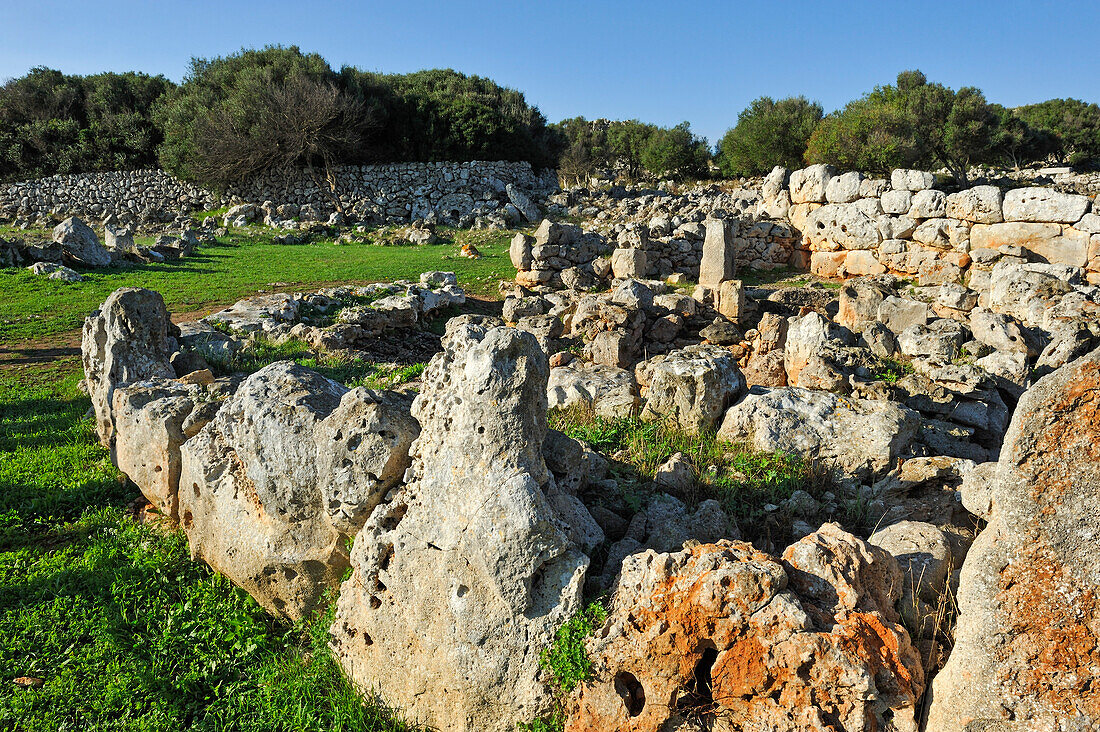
x=851 y=225
x=394 y=192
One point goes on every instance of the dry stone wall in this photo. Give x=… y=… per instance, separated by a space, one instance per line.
x=373 y=192
x=851 y=225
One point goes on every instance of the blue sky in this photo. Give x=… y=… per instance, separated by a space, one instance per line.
x=661 y=62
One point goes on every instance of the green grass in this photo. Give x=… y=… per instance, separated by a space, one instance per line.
x=352 y=372
x=36 y=307
x=891 y=370
x=744 y=481
x=126 y=632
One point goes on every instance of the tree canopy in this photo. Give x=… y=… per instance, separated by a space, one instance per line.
x=768 y=133
x=52 y=122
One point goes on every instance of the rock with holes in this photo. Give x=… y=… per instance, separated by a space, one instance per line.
x=723 y=636
x=1027 y=642
x=362 y=453
x=126 y=340
x=250 y=499
x=691 y=387
x=860 y=436
x=152 y=420
x=467 y=572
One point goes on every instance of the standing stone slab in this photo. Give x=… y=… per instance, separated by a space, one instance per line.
x=467 y=572
x=249 y=498
x=718 y=263
x=126 y=340
x=1027 y=642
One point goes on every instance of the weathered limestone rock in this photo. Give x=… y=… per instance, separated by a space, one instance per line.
x=718 y=263
x=843 y=188
x=729 y=300
x=897 y=202
x=249 y=498
x=608 y=391
x=978 y=205
x=628 y=263
x=928 y=204
x=806 y=336
x=692 y=387
x=924 y=557
x=520 y=251
x=467 y=571
x=79 y=244
x=362 y=453
x=859 y=436
x=911 y=180
x=1044 y=204
x=723 y=631
x=152 y=419
x=808 y=185
x=524 y=204
x=1027 y=642
x=860 y=300
x=1026 y=291
x=126 y=340
x=841 y=226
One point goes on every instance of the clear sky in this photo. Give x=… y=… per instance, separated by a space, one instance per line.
x=656 y=60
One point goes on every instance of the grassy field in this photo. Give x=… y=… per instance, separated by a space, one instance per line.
x=34 y=307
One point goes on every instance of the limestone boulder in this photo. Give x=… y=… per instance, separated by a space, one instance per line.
x=724 y=631
x=79 y=244
x=1026 y=291
x=862 y=437
x=126 y=340
x=808 y=185
x=911 y=180
x=1026 y=642
x=250 y=501
x=468 y=570
x=841 y=226
x=978 y=205
x=362 y=453
x=843 y=188
x=152 y=420
x=1044 y=204
x=608 y=391
x=691 y=387
x=928 y=204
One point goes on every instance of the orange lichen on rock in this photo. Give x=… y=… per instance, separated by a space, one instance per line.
x=713 y=633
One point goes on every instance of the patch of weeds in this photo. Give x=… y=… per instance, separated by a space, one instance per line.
x=566 y=662
x=351 y=371
x=217 y=213
x=741 y=479
x=258 y=352
x=891 y=370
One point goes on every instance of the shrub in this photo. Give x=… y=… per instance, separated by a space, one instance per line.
x=675 y=152
x=915 y=123
x=768 y=133
x=1071 y=129
x=57 y=123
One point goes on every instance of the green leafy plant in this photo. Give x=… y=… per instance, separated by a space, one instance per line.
x=566 y=660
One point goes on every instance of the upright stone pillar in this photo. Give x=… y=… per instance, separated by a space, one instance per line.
x=718 y=262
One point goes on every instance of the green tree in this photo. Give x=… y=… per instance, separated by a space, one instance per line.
x=627 y=142
x=52 y=122
x=915 y=123
x=1072 y=125
x=768 y=133
x=870 y=134
x=676 y=152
